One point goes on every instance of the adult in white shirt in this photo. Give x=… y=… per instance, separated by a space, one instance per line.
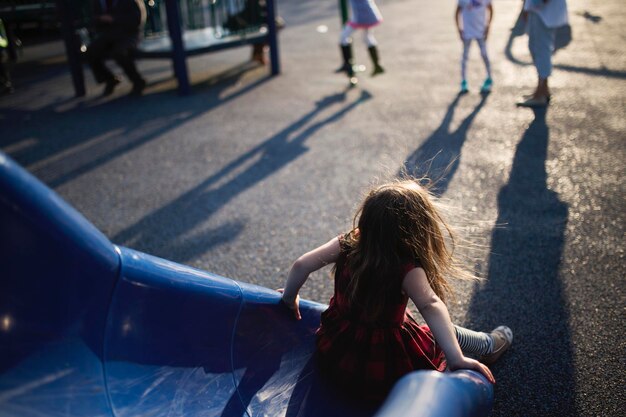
x=543 y=18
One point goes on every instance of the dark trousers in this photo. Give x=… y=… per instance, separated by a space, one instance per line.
x=5 y=76
x=119 y=49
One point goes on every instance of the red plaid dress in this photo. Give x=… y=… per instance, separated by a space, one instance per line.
x=367 y=358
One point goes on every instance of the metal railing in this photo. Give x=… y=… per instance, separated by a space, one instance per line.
x=226 y=17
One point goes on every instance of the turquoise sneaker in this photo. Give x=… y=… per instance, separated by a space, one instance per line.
x=463 y=89
x=486 y=88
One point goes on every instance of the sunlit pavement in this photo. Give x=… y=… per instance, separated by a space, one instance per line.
x=248 y=172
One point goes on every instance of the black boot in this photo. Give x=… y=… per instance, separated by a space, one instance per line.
x=346 y=53
x=374 y=55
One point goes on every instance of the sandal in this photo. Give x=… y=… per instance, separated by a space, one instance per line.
x=534 y=103
x=527 y=96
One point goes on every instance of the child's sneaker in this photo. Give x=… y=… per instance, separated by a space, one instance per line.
x=486 y=88
x=502 y=339
x=463 y=89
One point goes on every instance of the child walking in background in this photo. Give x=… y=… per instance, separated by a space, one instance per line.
x=397 y=250
x=474 y=25
x=364 y=15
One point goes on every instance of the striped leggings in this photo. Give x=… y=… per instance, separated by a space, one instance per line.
x=478 y=343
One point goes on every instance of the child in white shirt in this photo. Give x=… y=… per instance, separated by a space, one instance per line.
x=476 y=20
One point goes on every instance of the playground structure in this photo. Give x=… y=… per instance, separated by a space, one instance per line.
x=91 y=328
x=178 y=29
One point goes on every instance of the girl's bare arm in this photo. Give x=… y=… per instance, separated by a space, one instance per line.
x=303 y=267
x=489 y=19
x=436 y=314
x=456 y=21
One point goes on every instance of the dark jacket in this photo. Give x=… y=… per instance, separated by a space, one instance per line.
x=129 y=17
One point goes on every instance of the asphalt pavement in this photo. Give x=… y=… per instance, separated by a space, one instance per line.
x=250 y=171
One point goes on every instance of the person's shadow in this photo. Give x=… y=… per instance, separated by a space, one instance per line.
x=523 y=289
x=92 y=132
x=439 y=156
x=157 y=234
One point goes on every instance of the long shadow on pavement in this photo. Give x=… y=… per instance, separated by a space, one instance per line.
x=59 y=145
x=438 y=157
x=165 y=231
x=524 y=291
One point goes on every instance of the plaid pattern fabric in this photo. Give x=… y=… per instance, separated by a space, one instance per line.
x=365 y=358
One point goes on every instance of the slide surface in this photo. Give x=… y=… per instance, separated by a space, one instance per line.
x=88 y=328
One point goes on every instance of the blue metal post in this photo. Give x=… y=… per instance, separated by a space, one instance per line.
x=273 y=37
x=178 y=47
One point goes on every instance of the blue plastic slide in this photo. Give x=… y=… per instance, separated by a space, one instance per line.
x=88 y=328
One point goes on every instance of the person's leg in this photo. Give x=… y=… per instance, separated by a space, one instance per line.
x=488 y=346
x=96 y=54
x=464 y=57
x=346 y=35
x=541 y=45
x=346 y=50
x=6 y=85
x=99 y=50
x=478 y=343
x=371 y=43
x=482 y=44
x=122 y=53
x=258 y=53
